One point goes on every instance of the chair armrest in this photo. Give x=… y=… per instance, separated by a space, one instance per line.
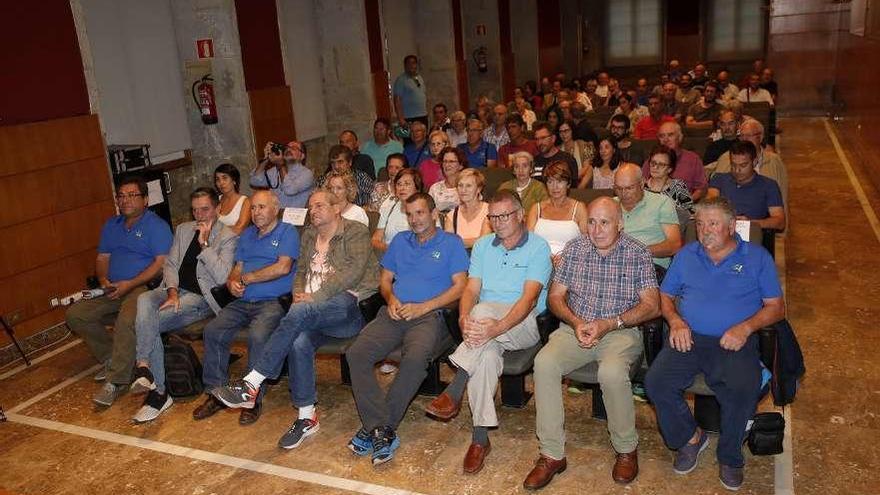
x=652 y=337
x=767 y=346
x=450 y=315
x=547 y=324
x=370 y=306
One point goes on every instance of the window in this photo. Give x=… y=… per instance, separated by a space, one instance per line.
x=634 y=32
x=736 y=29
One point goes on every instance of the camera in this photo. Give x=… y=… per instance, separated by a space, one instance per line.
x=278 y=148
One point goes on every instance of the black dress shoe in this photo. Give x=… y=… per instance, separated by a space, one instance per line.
x=207 y=408
x=250 y=416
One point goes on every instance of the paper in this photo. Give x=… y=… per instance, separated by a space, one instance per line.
x=154 y=193
x=742 y=228
x=295 y=216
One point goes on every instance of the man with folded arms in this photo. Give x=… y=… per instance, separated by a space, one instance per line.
x=423 y=270
x=506 y=289
x=603 y=288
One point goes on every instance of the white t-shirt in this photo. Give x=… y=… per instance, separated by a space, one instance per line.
x=392 y=218
x=761 y=94
x=357 y=214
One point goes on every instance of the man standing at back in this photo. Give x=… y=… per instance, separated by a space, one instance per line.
x=131 y=252
x=410 y=100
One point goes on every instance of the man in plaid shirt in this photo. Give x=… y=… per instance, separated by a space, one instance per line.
x=603 y=288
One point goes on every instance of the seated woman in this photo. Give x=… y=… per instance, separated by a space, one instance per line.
x=392 y=218
x=558 y=219
x=605 y=163
x=344 y=186
x=445 y=192
x=662 y=162
x=627 y=105
x=235 y=208
x=457 y=132
x=468 y=219
x=582 y=151
x=383 y=186
x=530 y=191
x=430 y=167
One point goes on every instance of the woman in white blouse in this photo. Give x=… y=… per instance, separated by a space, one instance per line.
x=445 y=192
x=235 y=208
x=344 y=186
x=392 y=218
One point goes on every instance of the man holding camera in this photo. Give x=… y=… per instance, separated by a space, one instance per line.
x=282 y=170
x=131 y=252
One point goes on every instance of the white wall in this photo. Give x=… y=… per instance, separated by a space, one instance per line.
x=137 y=73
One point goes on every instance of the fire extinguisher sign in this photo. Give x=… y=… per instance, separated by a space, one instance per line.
x=205 y=48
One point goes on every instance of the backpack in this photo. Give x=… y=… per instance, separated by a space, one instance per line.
x=183 y=370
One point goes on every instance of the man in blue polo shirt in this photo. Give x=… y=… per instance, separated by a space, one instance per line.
x=725 y=289
x=131 y=252
x=263 y=270
x=479 y=153
x=423 y=270
x=506 y=289
x=756 y=198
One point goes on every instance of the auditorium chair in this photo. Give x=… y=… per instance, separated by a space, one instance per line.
x=494 y=177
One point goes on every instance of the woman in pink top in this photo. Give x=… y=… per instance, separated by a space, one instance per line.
x=468 y=220
x=430 y=168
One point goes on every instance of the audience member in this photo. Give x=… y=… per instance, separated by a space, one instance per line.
x=445 y=192
x=669 y=102
x=767 y=163
x=410 y=100
x=530 y=190
x=716 y=295
x=601 y=174
x=522 y=108
x=582 y=128
x=602 y=80
x=418 y=149
x=440 y=120
x=340 y=161
x=430 y=168
x=627 y=107
x=619 y=128
x=423 y=271
x=755 y=197
x=557 y=219
x=262 y=272
x=727 y=91
x=335 y=270
x=498 y=310
x=344 y=186
x=597 y=326
x=728 y=122
x=581 y=151
x=518 y=141
x=237 y=206
x=285 y=174
x=554 y=118
x=648 y=126
x=662 y=163
x=530 y=92
x=549 y=152
x=700 y=75
x=704 y=113
x=688 y=166
x=359 y=161
x=131 y=252
x=392 y=217
x=648 y=217
x=496 y=134
x=199 y=260
x=457 y=128
x=754 y=92
x=642 y=91
x=381 y=146
x=768 y=83
x=686 y=94
x=479 y=153
x=468 y=219
x=384 y=188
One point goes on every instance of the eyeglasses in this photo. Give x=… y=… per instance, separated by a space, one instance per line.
x=475 y=130
x=121 y=197
x=564 y=129
x=450 y=162
x=631 y=188
x=501 y=217
x=655 y=163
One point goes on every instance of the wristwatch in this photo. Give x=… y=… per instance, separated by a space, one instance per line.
x=620 y=323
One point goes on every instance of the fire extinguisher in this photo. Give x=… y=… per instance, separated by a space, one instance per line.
x=203 y=95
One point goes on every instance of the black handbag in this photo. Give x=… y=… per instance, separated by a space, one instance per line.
x=767 y=433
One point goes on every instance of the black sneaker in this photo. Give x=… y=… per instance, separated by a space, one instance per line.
x=238 y=394
x=385 y=442
x=143 y=380
x=301 y=429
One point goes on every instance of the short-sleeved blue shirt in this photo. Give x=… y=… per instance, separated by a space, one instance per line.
x=713 y=297
x=485 y=151
x=752 y=199
x=257 y=252
x=411 y=91
x=132 y=250
x=415 y=154
x=503 y=273
x=424 y=271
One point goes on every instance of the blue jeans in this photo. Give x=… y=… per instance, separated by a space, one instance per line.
x=735 y=377
x=306 y=327
x=259 y=318
x=150 y=324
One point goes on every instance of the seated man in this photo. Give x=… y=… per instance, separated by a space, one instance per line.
x=285 y=174
x=200 y=259
x=359 y=161
x=335 y=270
x=131 y=252
x=648 y=217
x=755 y=197
x=726 y=289
x=506 y=289
x=340 y=162
x=702 y=114
x=263 y=271
x=728 y=121
x=597 y=325
x=422 y=271
x=688 y=165
x=619 y=127
x=516 y=128
x=649 y=126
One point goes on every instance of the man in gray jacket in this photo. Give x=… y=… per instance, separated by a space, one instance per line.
x=200 y=258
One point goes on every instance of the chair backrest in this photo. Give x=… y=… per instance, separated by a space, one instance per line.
x=696 y=144
x=698 y=132
x=373 y=217
x=644 y=146
x=587 y=195
x=494 y=178
x=760 y=111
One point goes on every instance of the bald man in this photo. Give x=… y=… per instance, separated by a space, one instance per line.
x=263 y=270
x=600 y=327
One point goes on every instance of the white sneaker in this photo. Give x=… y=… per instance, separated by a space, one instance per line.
x=154 y=405
x=387 y=368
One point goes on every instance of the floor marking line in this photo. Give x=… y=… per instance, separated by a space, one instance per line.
x=783 y=465
x=66 y=383
x=40 y=359
x=212 y=457
x=860 y=193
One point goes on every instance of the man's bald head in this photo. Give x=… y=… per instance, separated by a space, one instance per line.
x=670 y=135
x=604 y=223
x=628 y=185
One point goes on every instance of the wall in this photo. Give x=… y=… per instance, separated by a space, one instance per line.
x=435 y=45
x=524 y=30
x=302 y=65
x=482 y=13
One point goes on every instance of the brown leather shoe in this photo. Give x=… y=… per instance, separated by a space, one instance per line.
x=543 y=472
x=250 y=416
x=443 y=407
x=626 y=467
x=476 y=454
x=207 y=408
